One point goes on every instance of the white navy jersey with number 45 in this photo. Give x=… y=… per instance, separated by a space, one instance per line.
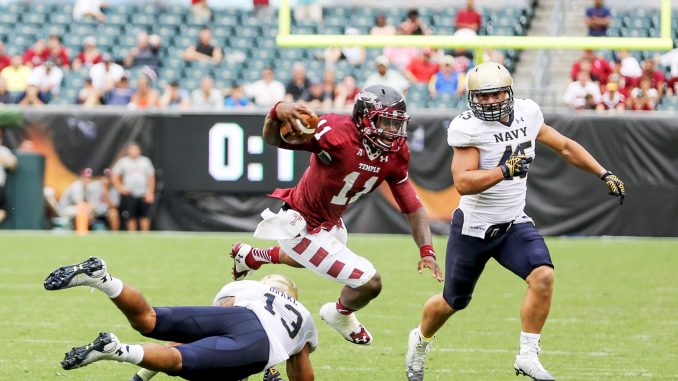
x=287 y=322
x=496 y=141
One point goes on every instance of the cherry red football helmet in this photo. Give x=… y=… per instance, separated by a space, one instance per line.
x=380 y=114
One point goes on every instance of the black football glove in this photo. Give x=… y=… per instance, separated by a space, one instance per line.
x=516 y=165
x=615 y=185
x=272 y=374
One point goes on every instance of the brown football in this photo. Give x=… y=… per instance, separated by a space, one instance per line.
x=308 y=126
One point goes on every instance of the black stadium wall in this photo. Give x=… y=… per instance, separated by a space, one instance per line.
x=214 y=170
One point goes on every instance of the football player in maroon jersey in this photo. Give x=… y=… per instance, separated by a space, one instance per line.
x=353 y=155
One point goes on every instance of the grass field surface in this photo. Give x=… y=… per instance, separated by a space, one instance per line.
x=614 y=315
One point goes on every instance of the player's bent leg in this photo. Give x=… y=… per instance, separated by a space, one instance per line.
x=246 y=258
x=435 y=314
x=136 y=309
x=105 y=347
x=537 y=302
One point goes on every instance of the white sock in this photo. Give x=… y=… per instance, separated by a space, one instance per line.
x=530 y=336
x=145 y=374
x=110 y=286
x=132 y=353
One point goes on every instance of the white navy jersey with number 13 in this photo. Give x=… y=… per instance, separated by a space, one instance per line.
x=496 y=141
x=287 y=322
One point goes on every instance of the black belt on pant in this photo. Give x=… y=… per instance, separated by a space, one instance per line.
x=497 y=230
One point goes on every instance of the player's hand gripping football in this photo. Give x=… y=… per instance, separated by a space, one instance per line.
x=428 y=260
x=516 y=165
x=291 y=112
x=272 y=374
x=615 y=185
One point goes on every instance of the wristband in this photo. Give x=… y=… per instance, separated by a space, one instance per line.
x=272 y=114
x=427 y=251
x=605 y=174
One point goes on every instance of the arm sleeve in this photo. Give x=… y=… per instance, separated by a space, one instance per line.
x=405 y=196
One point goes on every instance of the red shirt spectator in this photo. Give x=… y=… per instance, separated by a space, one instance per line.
x=468 y=18
x=656 y=76
x=5 y=60
x=600 y=68
x=36 y=54
x=56 y=52
x=421 y=68
x=89 y=55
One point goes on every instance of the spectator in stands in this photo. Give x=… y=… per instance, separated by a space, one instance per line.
x=16 y=78
x=355 y=55
x=413 y=24
x=266 y=91
x=346 y=93
x=36 y=54
x=120 y=94
x=616 y=78
x=207 y=95
x=670 y=60
x=386 y=76
x=315 y=97
x=298 y=84
x=598 y=18
x=145 y=95
x=87 y=193
x=8 y=162
x=236 y=98
x=47 y=78
x=262 y=10
x=629 y=68
x=448 y=80
x=89 y=95
x=88 y=56
x=5 y=60
x=612 y=99
x=329 y=83
x=88 y=8
x=5 y=97
x=133 y=176
x=201 y=10
x=657 y=76
x=381 y=26
x=204 y=50
x=493 y=55
x=106 y=74
x=468 y=18
x=112 y=199
x=644 y=97
x=146 y=53
x=576 y=92
x=309 y=10
x=422 y=68
x=56 y=52
x=174 y=96
x=599 y=67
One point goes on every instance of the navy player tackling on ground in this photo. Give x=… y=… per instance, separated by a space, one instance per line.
x=250 y=327
x=353 y=156
x=494 y=144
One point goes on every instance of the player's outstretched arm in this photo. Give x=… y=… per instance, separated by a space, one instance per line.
x=578 y=156
x=421 y=231
x=283 y=112
x=299 y=366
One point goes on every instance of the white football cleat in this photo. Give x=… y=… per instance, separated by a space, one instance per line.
x=528 y=364
x=347 y=325
x=86 y=273
x=239 y=252
x=417 y=349
x=104 y=347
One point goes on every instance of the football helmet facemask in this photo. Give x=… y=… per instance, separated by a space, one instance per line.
x=487 y=78
x=380 y=114
x=282 y=283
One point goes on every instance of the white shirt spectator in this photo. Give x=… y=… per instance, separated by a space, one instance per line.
x=214 y=100
x=670 y=59
x=87 y=7
x=135 y=174
x=575 y=94
x=392 y=78
x=44 y=77
x=630 y=67
x=103 y=77
x=265 y=94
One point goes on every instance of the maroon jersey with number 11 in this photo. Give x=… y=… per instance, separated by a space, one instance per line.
x=325 y=191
